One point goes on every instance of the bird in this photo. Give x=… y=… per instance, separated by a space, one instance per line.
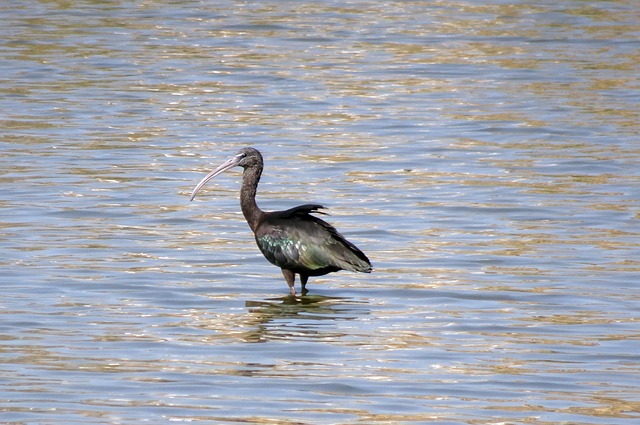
x=294 y=239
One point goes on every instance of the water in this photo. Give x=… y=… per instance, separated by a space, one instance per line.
x=483 y=154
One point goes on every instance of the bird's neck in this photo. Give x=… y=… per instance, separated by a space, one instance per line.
x=250 y=209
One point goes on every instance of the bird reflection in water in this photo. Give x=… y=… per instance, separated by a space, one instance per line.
x=306 y=318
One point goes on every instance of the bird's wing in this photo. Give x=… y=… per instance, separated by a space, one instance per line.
x=338 y=251
x=280 y=248
x=297 y=240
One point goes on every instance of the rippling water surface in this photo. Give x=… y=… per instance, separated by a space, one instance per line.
x=484 y=155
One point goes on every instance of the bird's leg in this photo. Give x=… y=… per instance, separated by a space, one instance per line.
x=290 y=277
x=303 y=283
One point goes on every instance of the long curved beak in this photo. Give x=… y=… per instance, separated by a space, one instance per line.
x=231 y=162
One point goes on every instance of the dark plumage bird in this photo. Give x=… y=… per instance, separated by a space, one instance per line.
x=294 y=240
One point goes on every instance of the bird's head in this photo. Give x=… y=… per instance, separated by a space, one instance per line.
x=245 y=158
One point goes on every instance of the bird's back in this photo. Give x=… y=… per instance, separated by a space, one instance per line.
x=297 y=241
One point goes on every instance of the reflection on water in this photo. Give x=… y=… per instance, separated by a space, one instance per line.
x=284 y=318
x=484 y=155
x=293 y=318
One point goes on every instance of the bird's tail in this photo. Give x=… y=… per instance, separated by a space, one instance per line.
x=354 y=260
x=362 y=266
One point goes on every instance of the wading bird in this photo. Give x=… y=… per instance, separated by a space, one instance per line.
x=293 y=240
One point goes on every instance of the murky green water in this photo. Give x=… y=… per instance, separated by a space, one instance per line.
x=484 y=155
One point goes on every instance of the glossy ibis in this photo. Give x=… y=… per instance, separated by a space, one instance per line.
x=294 y=240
